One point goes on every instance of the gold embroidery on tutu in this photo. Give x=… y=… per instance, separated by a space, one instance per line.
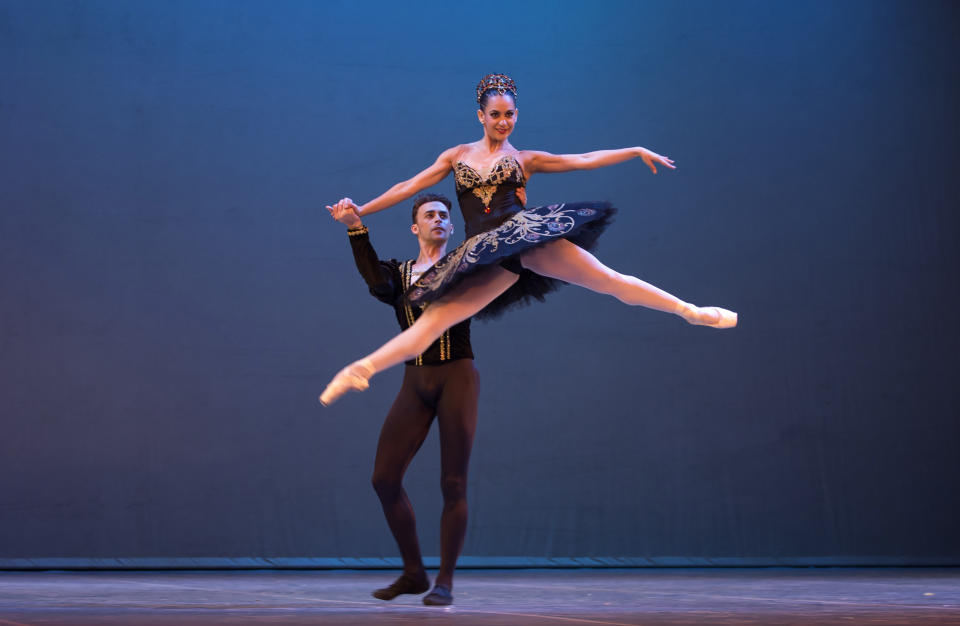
x=534 y=225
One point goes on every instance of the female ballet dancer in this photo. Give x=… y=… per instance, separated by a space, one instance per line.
x=511 y=253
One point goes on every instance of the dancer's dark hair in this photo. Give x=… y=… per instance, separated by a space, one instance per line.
x=428 y=197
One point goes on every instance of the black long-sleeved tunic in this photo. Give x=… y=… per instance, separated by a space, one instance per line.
x=388 y=280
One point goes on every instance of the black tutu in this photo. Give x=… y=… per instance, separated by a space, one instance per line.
x=579 y=222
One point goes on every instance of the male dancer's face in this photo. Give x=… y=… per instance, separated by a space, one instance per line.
x=433 y=226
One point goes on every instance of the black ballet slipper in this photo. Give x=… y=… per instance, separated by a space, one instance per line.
x=407 y=583
x=440 y=596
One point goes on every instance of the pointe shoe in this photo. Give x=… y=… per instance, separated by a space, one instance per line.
x=695 y=315
x=354 y=377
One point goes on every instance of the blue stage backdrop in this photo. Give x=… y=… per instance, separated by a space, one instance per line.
x=173 y=295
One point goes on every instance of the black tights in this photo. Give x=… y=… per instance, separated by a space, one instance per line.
x=449 y=392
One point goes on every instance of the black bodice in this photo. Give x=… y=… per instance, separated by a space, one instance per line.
x=487 y=201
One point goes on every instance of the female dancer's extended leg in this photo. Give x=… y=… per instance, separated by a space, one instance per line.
x=569 y=262
x=559 y=259
x=465 y=300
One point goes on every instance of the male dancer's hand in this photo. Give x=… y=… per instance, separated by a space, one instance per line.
x=345 y=212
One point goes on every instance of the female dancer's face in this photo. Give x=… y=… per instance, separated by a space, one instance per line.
x=498 y=117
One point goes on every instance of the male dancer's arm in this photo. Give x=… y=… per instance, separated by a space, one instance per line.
x=382 y=277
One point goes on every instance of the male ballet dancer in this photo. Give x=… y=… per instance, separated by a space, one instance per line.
x=442 y=382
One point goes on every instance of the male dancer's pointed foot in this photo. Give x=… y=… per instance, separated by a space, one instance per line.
x=712 y=316
x=407 y=583
x=354 y=377
x=440 y=596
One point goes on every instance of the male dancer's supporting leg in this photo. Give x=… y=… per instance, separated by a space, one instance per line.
x=457 y=419
x=403 y=432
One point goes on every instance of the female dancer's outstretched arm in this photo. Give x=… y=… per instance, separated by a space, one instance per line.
x=537 y=161
x=406 y=189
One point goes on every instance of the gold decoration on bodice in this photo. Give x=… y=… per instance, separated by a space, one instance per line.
x=485 y=193
x=482 y=187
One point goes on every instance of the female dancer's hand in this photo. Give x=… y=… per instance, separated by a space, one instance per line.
x=522 y=195
x=650 y=158
x=345 y=212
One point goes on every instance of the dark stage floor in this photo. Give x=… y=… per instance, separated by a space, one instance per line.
x=636 y=596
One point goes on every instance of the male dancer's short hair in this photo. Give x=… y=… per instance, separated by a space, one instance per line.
x=428 y=197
